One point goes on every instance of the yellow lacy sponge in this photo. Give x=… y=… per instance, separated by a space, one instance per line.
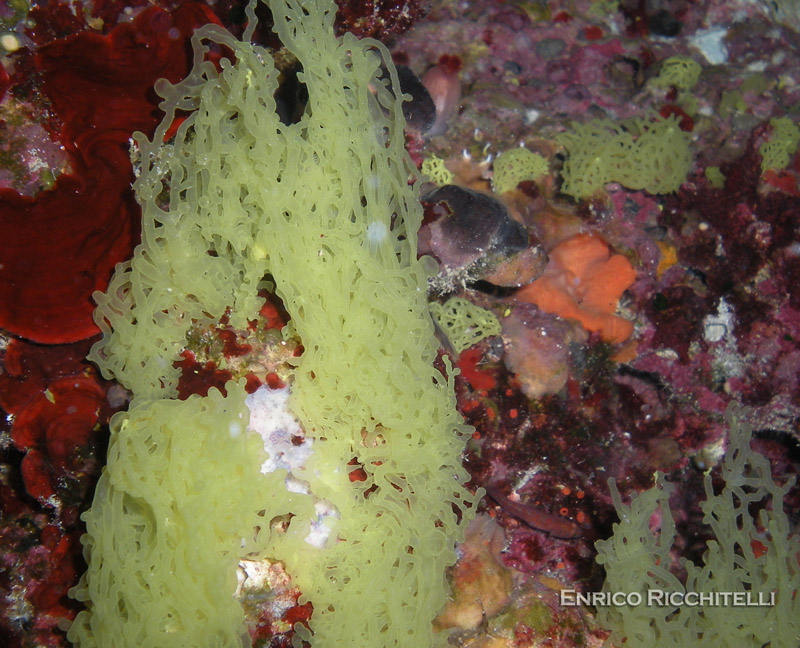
x=515 y=165
x=678 y=71
x=715 y=177
x=651 y=154
x=464 y=323
x=437 y=172
x=637 y=562
x=323 y=206
x=778 y=150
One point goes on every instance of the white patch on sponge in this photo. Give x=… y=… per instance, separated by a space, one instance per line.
x=288 y=448
x=284 y=441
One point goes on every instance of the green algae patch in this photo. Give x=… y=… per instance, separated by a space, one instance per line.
x=537 y=617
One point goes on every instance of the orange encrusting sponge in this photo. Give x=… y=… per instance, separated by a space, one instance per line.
x=583 y=281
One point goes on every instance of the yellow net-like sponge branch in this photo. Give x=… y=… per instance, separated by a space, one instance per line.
x=324 y=206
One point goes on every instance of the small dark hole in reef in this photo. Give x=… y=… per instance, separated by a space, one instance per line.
x=783 y=438
x=491 y=289
x=291 y=97
x=660 y=302
x=236 y=15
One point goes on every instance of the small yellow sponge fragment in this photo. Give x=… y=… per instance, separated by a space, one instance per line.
x=515 y=165
x=464 y=323
x=437 y=172
x=776 y=153
x=678 y=71
x=715 y=177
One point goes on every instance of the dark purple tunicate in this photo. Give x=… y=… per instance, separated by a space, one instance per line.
x=471 y=226
x=420 y=112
